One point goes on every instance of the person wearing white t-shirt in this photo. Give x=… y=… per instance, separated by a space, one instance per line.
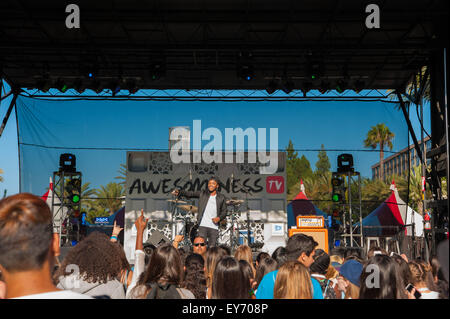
x=28 y=249
x=211 y=210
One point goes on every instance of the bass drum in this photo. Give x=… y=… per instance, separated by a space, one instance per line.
x=193 y=231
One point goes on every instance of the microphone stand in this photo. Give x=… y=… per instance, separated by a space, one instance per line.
x=247 y=192
x=174 y=205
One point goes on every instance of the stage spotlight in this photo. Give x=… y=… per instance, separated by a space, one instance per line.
x=246 y=72
x=359 y=86
x=272 y=87
x=288 y=86
x=314 y=70
x=61 y=85
x=341 y=86
x=78 y=85
x=156 y=71
x=324 y=87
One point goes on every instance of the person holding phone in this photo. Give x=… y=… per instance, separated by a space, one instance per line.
x=418 y=280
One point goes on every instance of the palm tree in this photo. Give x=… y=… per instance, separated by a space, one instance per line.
x=87 y=203
x=122 y=174
x=382 y=136
x=110 y=197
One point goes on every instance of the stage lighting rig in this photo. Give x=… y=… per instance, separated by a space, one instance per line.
x=338 y=188
x=341 y=86
x=246 y=72
x=131 y=86
x=61 y=85
x=43 y=84
x=156 y=71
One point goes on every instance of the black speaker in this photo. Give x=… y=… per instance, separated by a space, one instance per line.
x=345 y=163
x=157 y=238
x=67 y=163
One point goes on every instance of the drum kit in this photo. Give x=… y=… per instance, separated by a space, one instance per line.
x=186 y=220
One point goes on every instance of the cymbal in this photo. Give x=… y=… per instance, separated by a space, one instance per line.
x=177 y=201
x=234 y=201
x=188 y=208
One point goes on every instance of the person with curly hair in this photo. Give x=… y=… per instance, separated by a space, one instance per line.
x=194 y=275
x=92 y=268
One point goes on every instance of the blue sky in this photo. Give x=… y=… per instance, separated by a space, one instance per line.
x=337 y=125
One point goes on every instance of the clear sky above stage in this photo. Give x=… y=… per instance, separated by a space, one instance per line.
x=47 y=126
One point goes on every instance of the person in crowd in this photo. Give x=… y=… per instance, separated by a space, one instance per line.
x=405 y=273
x=429 y=280
x=229 y=281
x=375 y=250
x=348 y=279
x=199 y=246
x=183 y=254
x=319 y=269
x=439 y=279
x=92 y=268
x=381 y=278
x=293 y=282
x=194 y=275
x=2 y=287
x=300 y=247
x=126 y=273
x=28 y=249
x=226 y=248
x=212 y=258
x=337 y=257
x=419 y=280
x=265 y=266
x=148 y=251
x=212 y=209
x=244 y=252
x=260 y=257
x=279 y=255
x=142 y=256
x=162 y=278
x=248 y=274
x=353 y=253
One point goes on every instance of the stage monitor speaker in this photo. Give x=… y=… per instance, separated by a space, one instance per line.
x=319 y=235
x=157 y=238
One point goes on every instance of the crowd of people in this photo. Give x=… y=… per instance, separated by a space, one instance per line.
x=98 y=268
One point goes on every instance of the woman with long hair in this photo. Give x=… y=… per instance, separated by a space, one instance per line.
x=162 y=277
x=92 y=267
x=126 y=273
x=265 y=266
x=244 y=252
x=194 y=275
x=248 y=274
x=229 y=280
x=212 y=258
x=419 y=274
x=293 y=282
x=381 y=279
x=280 y=256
